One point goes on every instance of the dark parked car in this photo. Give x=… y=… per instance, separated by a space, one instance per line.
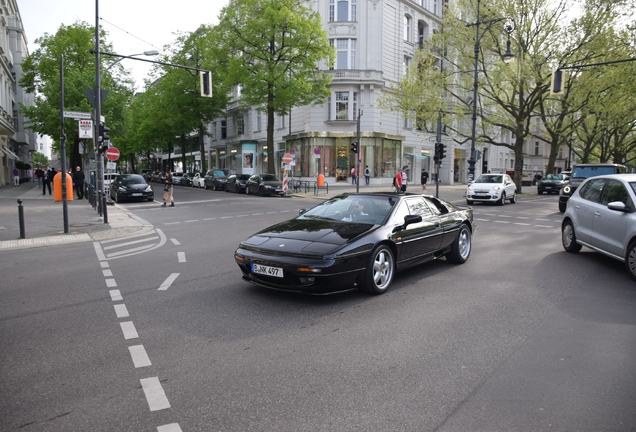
x=131 y=187
x=236 y=183
x=552 y=183
x=216 y=178
x=602 y=216
x=356 y=241
x=580 y=173
x=186 y=179
x=264 y=184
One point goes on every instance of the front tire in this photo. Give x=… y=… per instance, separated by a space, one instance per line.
x=460 y=250
x=247 y=190
x=568 y=238
x=205 y=186
x=379 y=273
x=502 y=201
x=630 y=259
x=540 y=192
x=261 y=192
x=469 y=202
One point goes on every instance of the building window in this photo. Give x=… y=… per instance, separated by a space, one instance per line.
x=258 y=120
x=342 y=10
x=407 y=28
x=342 y=105
x=536 y=148
x=435 y=11
x=213 y=132
x=223 y=129
x=239 y=125
x=405 y=64
x=282 y=121
x=345 y=53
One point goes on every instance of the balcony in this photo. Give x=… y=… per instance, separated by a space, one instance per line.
x=354 y=76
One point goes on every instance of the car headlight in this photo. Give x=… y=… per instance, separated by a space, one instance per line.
x=567 y=189
x=122 y=189
x=496 y=188
x=148 y=189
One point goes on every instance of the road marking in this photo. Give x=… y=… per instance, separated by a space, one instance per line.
x=257 y=214
x=128 y=251
x=226 y=217
x=115 y=295
x=241 y=215
x=111 y=283
x=172 y=427
x=522 y=217
x=104 y=264
x=545 y=220
x=194 y=220
x=166 y=284
x=155 y=396
x=129 y=330
x=171 y=223
x=130 y=243
x=139 y=356
x=209 y=218
x=121 y=311
x=520 y=223
x=99 y=252
x=107 y=273
x=181 y=257
x=175 y=242
x=544 y=226
x=504 y=222
x=505 y=216
x=285 y=211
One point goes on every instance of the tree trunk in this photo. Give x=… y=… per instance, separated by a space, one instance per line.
x=271 y=155
x=202 y=147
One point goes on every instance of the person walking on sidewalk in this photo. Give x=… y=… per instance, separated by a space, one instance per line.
x=16 y=177
x=397 y=182
x=353 y=175
x=38 y=174
x=405 y=179
x=424 y=179
x=167 y=194
x=78 y=182
x=47 y=177
x=367 y=174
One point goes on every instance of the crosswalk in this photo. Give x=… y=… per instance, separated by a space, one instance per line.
x=122 y=247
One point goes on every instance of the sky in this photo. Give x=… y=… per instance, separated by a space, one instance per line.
x=133 y=26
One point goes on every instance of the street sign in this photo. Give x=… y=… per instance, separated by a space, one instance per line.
x=287 y=158
x=112 y=154
x=86 y=128
x=292 y=151
x=78 y=115
x=111 y=166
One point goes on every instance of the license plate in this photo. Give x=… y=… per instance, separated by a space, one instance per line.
x=267 y=270
x=135 y=194
x=548 y=187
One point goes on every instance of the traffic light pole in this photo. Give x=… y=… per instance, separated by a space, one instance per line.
x=357 y=154
x=99 y=156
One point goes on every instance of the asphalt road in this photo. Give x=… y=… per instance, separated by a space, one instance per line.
x=108 y=336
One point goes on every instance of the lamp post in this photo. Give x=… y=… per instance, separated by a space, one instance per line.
x=508 y=57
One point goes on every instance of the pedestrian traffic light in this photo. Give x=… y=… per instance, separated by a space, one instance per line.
x=436 y=155
x=206 y=83
x=442 y=151
x=103 y=133
x=557 y=82
x=354 y=147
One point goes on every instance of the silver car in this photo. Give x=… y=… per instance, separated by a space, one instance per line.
x=601 y=214
x=496 y=188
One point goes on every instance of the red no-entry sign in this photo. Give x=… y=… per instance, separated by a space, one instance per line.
x=287 y=158
x=112 y=154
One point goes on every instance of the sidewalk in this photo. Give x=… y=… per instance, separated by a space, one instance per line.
x=44 y=220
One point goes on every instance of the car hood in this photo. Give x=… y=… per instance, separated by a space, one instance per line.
x=485 y=185
x=140 y=187
x=303 y=236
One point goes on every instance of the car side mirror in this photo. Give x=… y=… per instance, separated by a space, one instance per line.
x=302 y=211
x=618 y=206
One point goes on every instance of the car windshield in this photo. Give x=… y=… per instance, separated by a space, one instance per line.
x=489 y=179
x=220 y=173
x=554 y=177
x=369 y=209
x=587 y=172
x=243 y=176
x=269 y=177
x=133 y=179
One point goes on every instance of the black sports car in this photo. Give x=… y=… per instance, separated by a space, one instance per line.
x=130 y=186
x=356 y=241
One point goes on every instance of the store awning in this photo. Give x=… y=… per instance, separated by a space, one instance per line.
x=9 y=153
x=417 y=156
x=222 y=157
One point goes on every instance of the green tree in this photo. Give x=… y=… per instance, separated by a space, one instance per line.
x=39 y=160
x=41 y=76
x=271 y=48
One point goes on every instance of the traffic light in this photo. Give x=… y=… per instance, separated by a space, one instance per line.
x=442 y=151
x=436 y=156
x=206 y=83
x=557 y=82
x=103 y=133
x=354 y=147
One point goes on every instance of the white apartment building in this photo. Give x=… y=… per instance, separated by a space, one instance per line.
x=8 y=10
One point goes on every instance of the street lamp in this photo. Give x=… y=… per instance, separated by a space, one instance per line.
x=507 y=57
x=150 y=53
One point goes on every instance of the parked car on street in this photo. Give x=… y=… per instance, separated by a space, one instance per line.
x=198 y=180
x=145 y=173
x=176 y=177
x=582 y=172
x=551 y=184
x=131 y=187
x=236 y=183
x=601 y=215
x=215 y=179
x=108 y=179
x=356 y=241
x=494 y=188
x=186 y=179
x=264 y=185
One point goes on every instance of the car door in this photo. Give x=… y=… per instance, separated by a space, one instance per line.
x=509 y=186
x=585 y=203
x=609 y=231
x=450 y=222
x=418 y=239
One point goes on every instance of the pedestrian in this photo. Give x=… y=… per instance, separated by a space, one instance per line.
x=39 y=175
x=16 y=177
x=78 y=182
x=367 y=174
x=31 y=175
x=353 y=175
x=397 y=182
x=167 y=190
x=46 y=181
x=424 y=179
x=405 y=179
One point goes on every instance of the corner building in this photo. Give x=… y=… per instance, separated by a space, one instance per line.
x=375 y=41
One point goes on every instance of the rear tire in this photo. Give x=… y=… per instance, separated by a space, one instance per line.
x=237 y=189
x=460 y=250
x=540 y=192
x=247 y=190
x=380 y=271
x=568 y=238
x=513 y=200
x=630 y=259
x=562 y=207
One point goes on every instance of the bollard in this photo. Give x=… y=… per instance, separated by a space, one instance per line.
x=105 y=209
x=21 y=219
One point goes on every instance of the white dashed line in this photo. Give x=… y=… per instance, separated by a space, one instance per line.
x=285 y=211
x=241 y=215
x=190 y=221
x=107 y=273
x=121 y=311
x=544 y=226
x=175 y=242
x=181 y=257
x=545 y=220
x=504 y=222
x=520 y=223
x=104 y=264
x=209 y=219
x=111 y=283
x=172 y=427
x=256 y=214
x=522 y=217
x=171 y=223
x=115 y=295
x=226 y=217
x=271 y=212
x=129 y=330
x=139 y=356
x=155 y=396
x=166 y=284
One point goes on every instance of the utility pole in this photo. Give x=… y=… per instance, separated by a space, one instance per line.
x=357 y=154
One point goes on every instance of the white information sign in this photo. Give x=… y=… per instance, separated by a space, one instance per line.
x=111 y=165
x=86 y=128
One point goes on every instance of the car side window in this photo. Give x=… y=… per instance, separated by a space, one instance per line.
x=400 y=213
x=615 y=191
x=417 y=206
x=437 y=207
x=592 y=190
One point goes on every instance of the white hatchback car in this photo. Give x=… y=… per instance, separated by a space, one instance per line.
x=198 y=180
x=601 y=214
x=496 y=188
